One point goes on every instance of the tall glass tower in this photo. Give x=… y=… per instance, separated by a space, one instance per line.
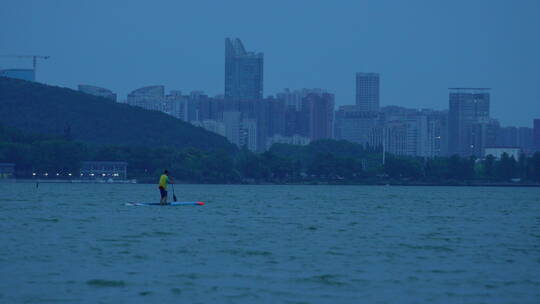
x=243 y=72
x=367 y=91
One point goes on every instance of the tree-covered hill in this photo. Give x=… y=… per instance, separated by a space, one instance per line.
x=43 y=109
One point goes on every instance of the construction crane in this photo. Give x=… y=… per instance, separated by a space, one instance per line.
x=34 y=60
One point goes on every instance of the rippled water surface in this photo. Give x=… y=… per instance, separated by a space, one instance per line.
x=74 y=243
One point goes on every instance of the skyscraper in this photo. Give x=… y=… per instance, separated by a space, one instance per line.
x=243 y=72
x=367 y=91
x=468 y=107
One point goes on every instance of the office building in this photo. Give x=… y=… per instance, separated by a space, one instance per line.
x=467 y=107
x=97 y=91
x=317 y=116
x=415 y=134
x=243 y=72
x=367 y=91
x=23 y=74
x=355 y=125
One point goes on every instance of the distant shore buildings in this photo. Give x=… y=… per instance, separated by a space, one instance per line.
x=249 y=119
x=23 y=74
x=97 y=91
x=300 y=116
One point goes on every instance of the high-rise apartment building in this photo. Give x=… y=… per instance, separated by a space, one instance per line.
x=243 y=72
x=367 y=91
x=468 y=107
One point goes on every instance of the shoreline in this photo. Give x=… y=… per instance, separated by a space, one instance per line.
x=68 y=181
x=314 y=183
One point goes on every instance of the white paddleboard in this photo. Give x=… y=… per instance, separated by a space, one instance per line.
x=168 y=204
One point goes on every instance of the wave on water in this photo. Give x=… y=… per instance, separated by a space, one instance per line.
x=105 y=283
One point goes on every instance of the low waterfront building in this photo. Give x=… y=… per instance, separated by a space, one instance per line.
x=7 y=171
x=115 y=170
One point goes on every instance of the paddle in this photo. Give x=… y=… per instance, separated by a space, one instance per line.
x=173 y=195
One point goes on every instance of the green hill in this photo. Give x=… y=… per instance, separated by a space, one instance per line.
x=42 y=109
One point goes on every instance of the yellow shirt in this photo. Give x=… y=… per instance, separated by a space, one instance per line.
x=163 y=181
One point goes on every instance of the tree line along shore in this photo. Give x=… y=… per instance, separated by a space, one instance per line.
x=320 y=162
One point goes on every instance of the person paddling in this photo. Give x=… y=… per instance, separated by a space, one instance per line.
x=164 y=180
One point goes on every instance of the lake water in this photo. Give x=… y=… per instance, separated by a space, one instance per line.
x=78 y=243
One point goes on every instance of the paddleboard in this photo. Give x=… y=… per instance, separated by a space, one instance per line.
x=168 y=204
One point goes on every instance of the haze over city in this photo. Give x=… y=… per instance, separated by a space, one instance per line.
x=420 y=48
x=285 y=151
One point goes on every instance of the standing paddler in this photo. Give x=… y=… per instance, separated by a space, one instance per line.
x=164 y=180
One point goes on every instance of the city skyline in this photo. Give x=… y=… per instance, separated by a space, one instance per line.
x=416 y=47
x=248 y=119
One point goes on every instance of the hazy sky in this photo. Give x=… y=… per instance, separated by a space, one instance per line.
x=420 y=48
